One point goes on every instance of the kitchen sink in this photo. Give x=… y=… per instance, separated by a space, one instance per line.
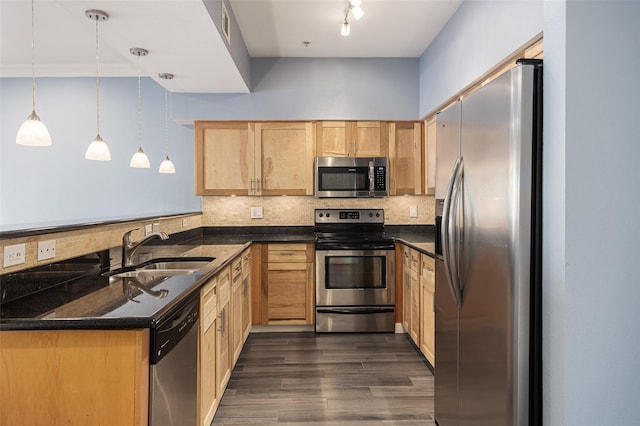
x=162 y=267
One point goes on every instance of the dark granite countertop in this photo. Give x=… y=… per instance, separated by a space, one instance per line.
x=97 y=302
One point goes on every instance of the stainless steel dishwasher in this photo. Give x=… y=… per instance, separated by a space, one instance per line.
x=174 y=357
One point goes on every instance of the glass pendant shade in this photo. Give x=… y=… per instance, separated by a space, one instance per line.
x=346 y=29
x=98 y=150
x=33 y=132
x=139 y=160
x=357 y=12
x=167 y=166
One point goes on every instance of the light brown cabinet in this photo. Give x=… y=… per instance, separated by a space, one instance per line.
x=412 y=292
x=235 y=323
x=246 y=158
x=351 y=139
x=224 y=157
x=284 y=155
x=427 y=311
x=429 y=158
x=287 y=284
x=223 y=340
x=246 y=294
x=207 y=390
x=405 y=151
x=74 y=377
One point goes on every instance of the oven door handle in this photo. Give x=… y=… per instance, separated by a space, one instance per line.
x=354 y=311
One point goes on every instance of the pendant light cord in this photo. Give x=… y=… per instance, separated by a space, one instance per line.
x=166 y=123
x=33 y=59
x=139 y=107
x=97 y=83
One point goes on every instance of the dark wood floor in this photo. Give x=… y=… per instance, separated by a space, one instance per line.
x=328 y=379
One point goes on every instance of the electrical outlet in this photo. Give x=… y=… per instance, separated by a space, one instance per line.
x=148 y=229
x=156 y=227
x=413 y=211
x=46 y=249
x=14 y=255
x=184 y=222
x=256 y=212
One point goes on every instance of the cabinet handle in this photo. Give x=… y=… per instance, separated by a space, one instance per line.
x=239 y=268
x=223 y=320
x=245 y=287
x=286 y=253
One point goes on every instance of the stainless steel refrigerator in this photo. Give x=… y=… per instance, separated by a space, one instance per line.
x=488 y=262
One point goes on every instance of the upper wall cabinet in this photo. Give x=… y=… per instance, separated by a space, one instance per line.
x=405 y=152
x=242 y=158
x=284 y=158
x=351 y=139
x=429 y=160
x=224 y=157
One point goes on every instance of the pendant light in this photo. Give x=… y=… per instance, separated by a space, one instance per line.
x=33 y=132
x=139 y=159
x=98 y=150
x=167 y=165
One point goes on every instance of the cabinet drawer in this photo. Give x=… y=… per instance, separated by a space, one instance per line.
x=427 y=273
x=236 y=272
x=415 y=260
x=224 y=287
x=298 y=253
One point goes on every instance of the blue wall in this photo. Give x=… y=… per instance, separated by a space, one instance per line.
x=480 y=35
x=57 y=185
x=313 y=89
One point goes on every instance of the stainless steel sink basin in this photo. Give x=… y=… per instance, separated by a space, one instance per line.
x=163 y=267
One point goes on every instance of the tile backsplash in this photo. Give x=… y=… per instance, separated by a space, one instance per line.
x=298 y=210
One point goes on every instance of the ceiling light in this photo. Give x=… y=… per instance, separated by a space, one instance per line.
x=98 y=149
x=353 y=6
x=346 y=28
x=33 y=132
x=357 y=12
x=167 y=165
x=139 y=159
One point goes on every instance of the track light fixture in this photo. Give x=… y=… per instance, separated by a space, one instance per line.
x=353 y=7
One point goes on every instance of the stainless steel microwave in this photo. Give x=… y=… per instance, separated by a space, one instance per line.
x=351 y=177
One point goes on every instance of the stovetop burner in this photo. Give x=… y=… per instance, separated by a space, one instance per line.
x=350 y=229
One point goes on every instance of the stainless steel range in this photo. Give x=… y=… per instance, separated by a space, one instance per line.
x=355 y=271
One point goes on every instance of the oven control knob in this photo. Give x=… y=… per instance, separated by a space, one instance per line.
x=328 y=214
x=321 y=214
x=377 y=214
x=370 y=214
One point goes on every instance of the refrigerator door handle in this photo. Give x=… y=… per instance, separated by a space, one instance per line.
x=448 y=228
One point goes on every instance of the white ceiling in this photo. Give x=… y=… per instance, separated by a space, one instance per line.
x=182 y=39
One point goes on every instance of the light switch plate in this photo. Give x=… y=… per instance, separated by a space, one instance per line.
x=413 y=211
x=256 y=212
x=148 y=229
x=14 y=255
x=46 y=249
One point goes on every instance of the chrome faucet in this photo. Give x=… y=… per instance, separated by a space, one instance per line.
x=128 y=247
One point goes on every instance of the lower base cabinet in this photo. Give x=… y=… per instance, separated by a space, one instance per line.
x=427 y=311
x=74 y=377
x=207 y=388
x=287 y=284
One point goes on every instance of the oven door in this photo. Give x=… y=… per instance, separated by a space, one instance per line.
x=355 y=278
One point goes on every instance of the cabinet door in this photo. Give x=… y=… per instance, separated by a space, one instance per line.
x=332 y=137
x=369 y=139
x=224 y=158
x=405 y=140
x=427 y=312
x=406 y=288
x=351 y=139
x=207 y=355
x=223 y=353
x=414 y=325
x=429 y=161
x=235 y=324
x=285 y=162
x=246 y=294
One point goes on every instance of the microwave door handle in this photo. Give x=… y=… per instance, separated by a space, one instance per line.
x=371 y=179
